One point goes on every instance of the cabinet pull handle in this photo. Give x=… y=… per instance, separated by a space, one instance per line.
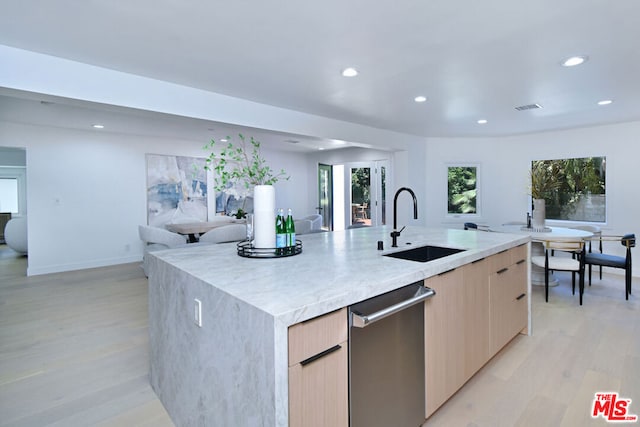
x=503 y=270
x=360 y=320
x=521 y=296
x=521 y=261
x=321 y=355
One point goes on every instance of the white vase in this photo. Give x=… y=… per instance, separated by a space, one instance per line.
x=264 y=216
x=539 y=214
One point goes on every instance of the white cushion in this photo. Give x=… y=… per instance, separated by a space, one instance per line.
x=559 y=263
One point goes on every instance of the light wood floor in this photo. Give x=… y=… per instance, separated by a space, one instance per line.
x=74 y=348
x=74 y=352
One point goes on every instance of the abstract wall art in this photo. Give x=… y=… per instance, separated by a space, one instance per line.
x=176 y=190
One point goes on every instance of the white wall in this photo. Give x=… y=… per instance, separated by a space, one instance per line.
x=87 y=192
x=408 y=170
x=505 y=164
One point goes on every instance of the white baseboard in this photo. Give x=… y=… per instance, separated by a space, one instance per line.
x=59 y=268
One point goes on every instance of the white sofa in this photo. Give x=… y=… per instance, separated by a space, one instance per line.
x=15 y=234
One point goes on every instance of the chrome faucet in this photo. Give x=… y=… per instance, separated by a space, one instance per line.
x=395 y=233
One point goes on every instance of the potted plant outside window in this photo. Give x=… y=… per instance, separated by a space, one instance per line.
x=544 y=182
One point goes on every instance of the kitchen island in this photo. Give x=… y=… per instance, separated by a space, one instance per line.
x=233 y=369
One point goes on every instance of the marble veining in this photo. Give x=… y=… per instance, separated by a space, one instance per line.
x=335 y=269
x=233 y=370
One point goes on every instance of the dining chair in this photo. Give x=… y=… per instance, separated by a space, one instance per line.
x=562 y=263
x=597 y=235
x=361 y=211
x=156 y=238
x=476 y=227
x=225 y=234
x=615 y=261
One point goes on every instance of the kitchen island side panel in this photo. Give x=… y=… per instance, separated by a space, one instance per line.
x=220 y=374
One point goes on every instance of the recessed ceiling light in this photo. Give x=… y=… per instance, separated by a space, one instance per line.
x=349 y=72
x=482 y=121
x=605 y=102
x=97 y=126
x=420 y=98
x=574 y=60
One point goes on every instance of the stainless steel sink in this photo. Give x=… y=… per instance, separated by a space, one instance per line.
x=425 y=253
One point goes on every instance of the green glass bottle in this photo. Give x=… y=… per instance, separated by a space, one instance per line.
x=290 y=230
x=281 y=234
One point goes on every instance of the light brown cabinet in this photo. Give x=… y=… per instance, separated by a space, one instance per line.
x=508 y=291
x=477 y=309
x=318 y=372
x=456 y=330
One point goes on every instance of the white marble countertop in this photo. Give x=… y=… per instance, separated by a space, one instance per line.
x=334 y=270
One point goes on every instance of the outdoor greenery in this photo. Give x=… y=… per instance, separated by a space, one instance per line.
x=462 y=190
x=361 y=185
x=545 y=179
x=565 y=183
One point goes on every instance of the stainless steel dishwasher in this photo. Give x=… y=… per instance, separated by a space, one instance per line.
x=386 y=359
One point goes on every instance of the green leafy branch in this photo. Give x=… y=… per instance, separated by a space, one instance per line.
x=545 y=179
x=240 y=163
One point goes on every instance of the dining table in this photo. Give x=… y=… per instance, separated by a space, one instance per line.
x=538 y=236
x=195 y=229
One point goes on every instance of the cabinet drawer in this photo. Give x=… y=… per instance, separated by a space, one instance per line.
x=499 y=261
x=518 y=254
x=319 y=391
x=504 y=259
x=508 y=296
x=314 y=336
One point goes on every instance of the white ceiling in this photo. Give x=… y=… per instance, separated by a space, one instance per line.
x=45 y=110
x=472 y=59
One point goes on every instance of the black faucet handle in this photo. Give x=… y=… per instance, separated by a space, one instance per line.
x=401 y=230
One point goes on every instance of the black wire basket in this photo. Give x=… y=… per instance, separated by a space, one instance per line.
x=246 y=250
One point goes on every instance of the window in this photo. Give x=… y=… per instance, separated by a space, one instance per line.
x=9 y=195
x=575 y=189
x=462 y=190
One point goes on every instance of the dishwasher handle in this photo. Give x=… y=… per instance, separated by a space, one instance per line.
x=362 y=321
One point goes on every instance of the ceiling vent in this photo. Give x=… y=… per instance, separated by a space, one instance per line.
x=528 y=107
x=292 y=141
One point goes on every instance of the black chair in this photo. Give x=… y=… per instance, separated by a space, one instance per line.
x=597 y=236
x=470 y=226
x=575 y=264
x=615 y=261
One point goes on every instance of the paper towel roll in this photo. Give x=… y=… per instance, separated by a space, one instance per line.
x=264 y=216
